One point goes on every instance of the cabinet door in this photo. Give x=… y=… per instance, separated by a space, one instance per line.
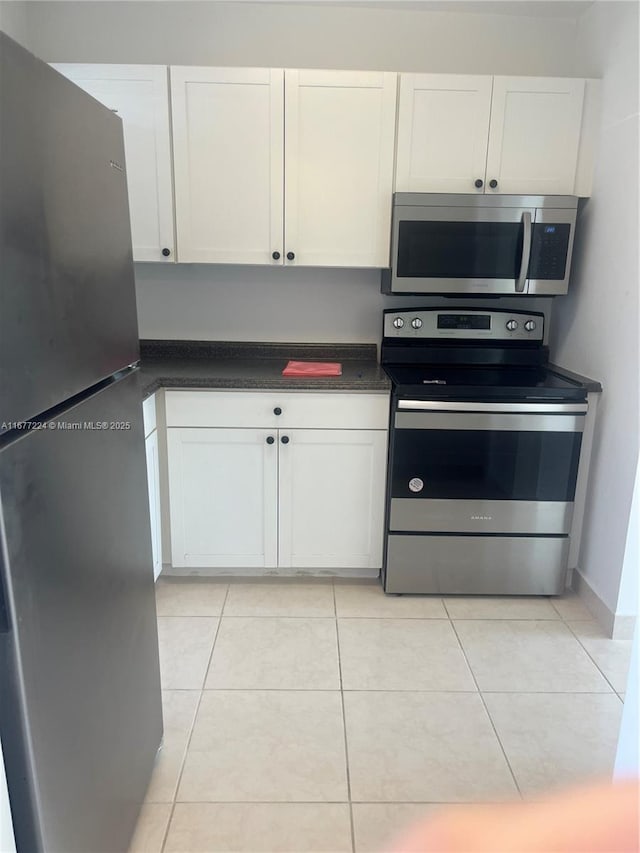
x=223 y=492
x=339 y=145
x=535 y=134
x=228 y=164
x=332 y=485
x=139 y=95
x=153 y=483
x=443 y=129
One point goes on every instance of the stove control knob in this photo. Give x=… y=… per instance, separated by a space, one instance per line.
x=530 y=326
x=416 y=323
x=398 y=322
x=512 y=325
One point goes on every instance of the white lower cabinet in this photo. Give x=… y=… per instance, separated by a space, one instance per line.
x=153 y=483
x=149 y=417
x=223 y=493
x=277 y=496
x=331 y=499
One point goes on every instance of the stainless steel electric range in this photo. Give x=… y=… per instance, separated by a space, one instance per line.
x=484 y=449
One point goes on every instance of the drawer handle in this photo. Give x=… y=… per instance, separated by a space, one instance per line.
x=270 y=439
x=285 y=439
x=277 y=410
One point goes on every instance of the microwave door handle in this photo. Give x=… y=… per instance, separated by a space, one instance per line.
x=526 y=252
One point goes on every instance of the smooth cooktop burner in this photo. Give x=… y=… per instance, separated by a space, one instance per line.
x=427 y=381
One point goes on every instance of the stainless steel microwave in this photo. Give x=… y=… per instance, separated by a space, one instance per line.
x=475 y=244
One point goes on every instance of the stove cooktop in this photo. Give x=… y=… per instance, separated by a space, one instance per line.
x=426 y=382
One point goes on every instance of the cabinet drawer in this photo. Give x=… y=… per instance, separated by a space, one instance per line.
x=149 y=414
x=310 y=410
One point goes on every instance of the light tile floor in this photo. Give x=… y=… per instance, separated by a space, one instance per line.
x=320 y=716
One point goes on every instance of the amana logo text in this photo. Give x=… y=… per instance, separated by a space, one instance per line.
x=481 y=518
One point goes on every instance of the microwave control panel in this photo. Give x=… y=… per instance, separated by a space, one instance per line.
x=549 y=248
x=469 y=324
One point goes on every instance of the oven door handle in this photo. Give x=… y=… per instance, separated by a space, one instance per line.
x=520 y=408
x=489 y=422
x=526 y=252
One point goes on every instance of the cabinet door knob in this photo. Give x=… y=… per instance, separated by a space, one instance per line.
x=270 y=439
x=285 y=439
x=290 y=256
x=166 y=252
x=275 y=256
x=277 y=410
x=493 y=183
x=478 y=182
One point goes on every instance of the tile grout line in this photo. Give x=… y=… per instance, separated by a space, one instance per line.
x=486 y=710
x=402 y=690
x=590 y=656
x=335 y=803
x=344 y=723
x=192 y=727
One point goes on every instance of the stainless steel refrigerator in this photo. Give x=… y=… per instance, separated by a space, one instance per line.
x=80 y=710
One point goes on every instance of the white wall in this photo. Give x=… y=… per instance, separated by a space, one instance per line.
x=627 y=765
x=13 y=20
x=595 y=328
x=7 y=841
x=239 y=303
x=301 y=35
x=629 y=595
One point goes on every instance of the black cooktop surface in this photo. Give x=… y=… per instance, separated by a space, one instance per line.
x=482 y=383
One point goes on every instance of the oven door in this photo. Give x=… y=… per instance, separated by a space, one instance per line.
x=484 y=468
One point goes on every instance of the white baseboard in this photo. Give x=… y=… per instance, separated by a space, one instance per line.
x=291 y=574
x=617 y=626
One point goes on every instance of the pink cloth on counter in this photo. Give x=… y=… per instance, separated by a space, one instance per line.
x=312 y=368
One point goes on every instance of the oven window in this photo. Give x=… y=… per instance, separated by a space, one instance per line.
x=459 y=249
x=486 y=465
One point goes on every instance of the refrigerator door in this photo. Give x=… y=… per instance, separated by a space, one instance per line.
x=67 y=299
x=80 y=714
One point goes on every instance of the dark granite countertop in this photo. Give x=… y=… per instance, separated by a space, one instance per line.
x=591 y=385
x=221 y=364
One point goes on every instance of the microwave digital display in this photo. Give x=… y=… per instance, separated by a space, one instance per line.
x=464 y=321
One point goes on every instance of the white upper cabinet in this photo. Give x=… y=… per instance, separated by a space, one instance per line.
x=443 y=126
x=228 y=154
x=519 y=135
x=535 y=135
x=139 y=95
x=339 y=147
x=283 y=167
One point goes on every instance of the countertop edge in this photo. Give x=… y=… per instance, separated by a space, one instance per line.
x=591 y=385
x=170 y=384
